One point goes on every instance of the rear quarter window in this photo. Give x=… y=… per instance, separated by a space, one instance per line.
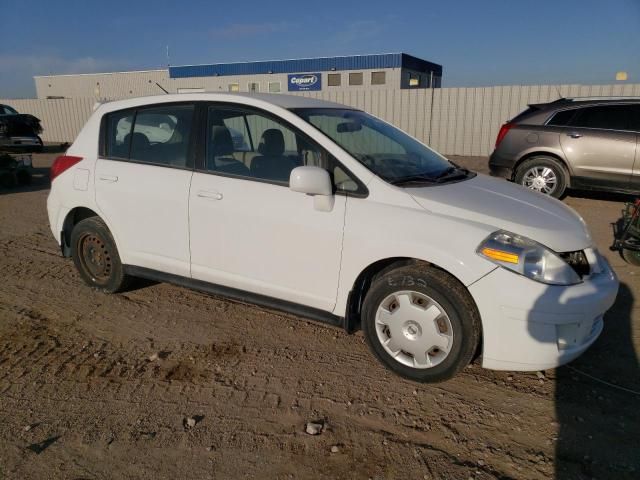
x=561 y=118
x=118 y=128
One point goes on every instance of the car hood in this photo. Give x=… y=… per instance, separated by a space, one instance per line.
x=507 y=206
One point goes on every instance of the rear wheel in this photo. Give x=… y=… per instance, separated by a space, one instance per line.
x=421 y=323
x=543 y=174
x=631 y=256
x=96 y=257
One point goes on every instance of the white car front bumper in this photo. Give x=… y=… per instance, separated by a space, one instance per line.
x=530 y=326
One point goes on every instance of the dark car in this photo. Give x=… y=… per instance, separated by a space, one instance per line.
x=582 y=143
x=19 y=132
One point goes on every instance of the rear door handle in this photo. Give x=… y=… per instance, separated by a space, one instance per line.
x=108 y=178
x=209 y=195
x=574 y=134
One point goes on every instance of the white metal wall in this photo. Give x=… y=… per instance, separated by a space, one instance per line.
x=454 y=121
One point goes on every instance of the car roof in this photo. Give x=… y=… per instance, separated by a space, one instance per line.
x=539 y=113
x=277 y=99
x=584 y=101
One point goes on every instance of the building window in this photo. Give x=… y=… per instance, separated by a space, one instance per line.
x=234 y=87
x=191 y=90
x=333 y=79
x=355 y=78
x=414 y=80
x=253 y=87
x=274 y=87
x=378 y=78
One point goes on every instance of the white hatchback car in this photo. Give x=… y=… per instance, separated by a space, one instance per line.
x=332 y=214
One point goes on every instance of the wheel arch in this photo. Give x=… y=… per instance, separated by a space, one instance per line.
x=375 y=270
x=74 y=216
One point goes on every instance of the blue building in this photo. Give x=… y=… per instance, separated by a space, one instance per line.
x=387 y=71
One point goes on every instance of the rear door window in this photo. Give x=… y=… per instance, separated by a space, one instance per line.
x=605 y=117
x=156 y=135
x=161 y=135
x=635 y=118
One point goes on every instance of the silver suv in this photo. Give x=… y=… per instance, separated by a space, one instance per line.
x=583 y=143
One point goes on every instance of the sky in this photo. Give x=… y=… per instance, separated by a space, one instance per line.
x=479 y=42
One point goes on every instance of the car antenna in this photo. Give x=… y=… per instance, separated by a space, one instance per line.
x=161 y=88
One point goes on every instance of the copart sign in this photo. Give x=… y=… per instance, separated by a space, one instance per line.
x=304 y=81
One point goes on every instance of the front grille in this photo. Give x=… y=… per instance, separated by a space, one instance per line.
x=578 y=261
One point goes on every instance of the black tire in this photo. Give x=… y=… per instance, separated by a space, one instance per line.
x=554 y=164
x=631 y=256
x=8 y=180
x=23 y=177
x=451 y=296
x=96 y=257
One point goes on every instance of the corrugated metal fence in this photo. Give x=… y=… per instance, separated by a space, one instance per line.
x=61 y=119
x=454 y=121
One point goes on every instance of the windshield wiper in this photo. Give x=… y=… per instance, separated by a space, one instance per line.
x=452 y=173
x=413 y=179
x=447 y=175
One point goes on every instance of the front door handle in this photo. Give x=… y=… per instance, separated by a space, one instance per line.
x=108 y=178
x=209 y=195
x=574 y=134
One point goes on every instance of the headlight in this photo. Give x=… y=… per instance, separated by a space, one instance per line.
x=526 y=257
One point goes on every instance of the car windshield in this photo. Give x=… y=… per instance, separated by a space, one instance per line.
x=385 y=150
x=8 y=110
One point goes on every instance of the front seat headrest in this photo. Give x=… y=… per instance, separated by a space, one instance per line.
x=271 y=143
x=221 y=141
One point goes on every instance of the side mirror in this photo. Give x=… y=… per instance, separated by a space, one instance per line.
x=310 y=180
x=314 y=181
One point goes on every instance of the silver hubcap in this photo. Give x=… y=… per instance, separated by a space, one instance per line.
x=541 y=179
x=414 y=329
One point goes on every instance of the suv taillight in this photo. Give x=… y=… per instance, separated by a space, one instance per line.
x=62 y=163
x=504 y=129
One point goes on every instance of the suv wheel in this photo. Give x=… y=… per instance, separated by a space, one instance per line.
x=96 y=257
x=421 y=323
x=543 y=174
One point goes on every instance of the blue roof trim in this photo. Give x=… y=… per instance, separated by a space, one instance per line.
x=322 y=64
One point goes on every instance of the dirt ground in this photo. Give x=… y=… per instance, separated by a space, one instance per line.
x=82 y=395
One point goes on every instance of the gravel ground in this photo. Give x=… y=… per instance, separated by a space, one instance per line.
x=164 y=382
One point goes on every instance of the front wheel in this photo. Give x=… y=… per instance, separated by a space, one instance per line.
x=96 y=257
x=421 y=323
x=543 y=174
